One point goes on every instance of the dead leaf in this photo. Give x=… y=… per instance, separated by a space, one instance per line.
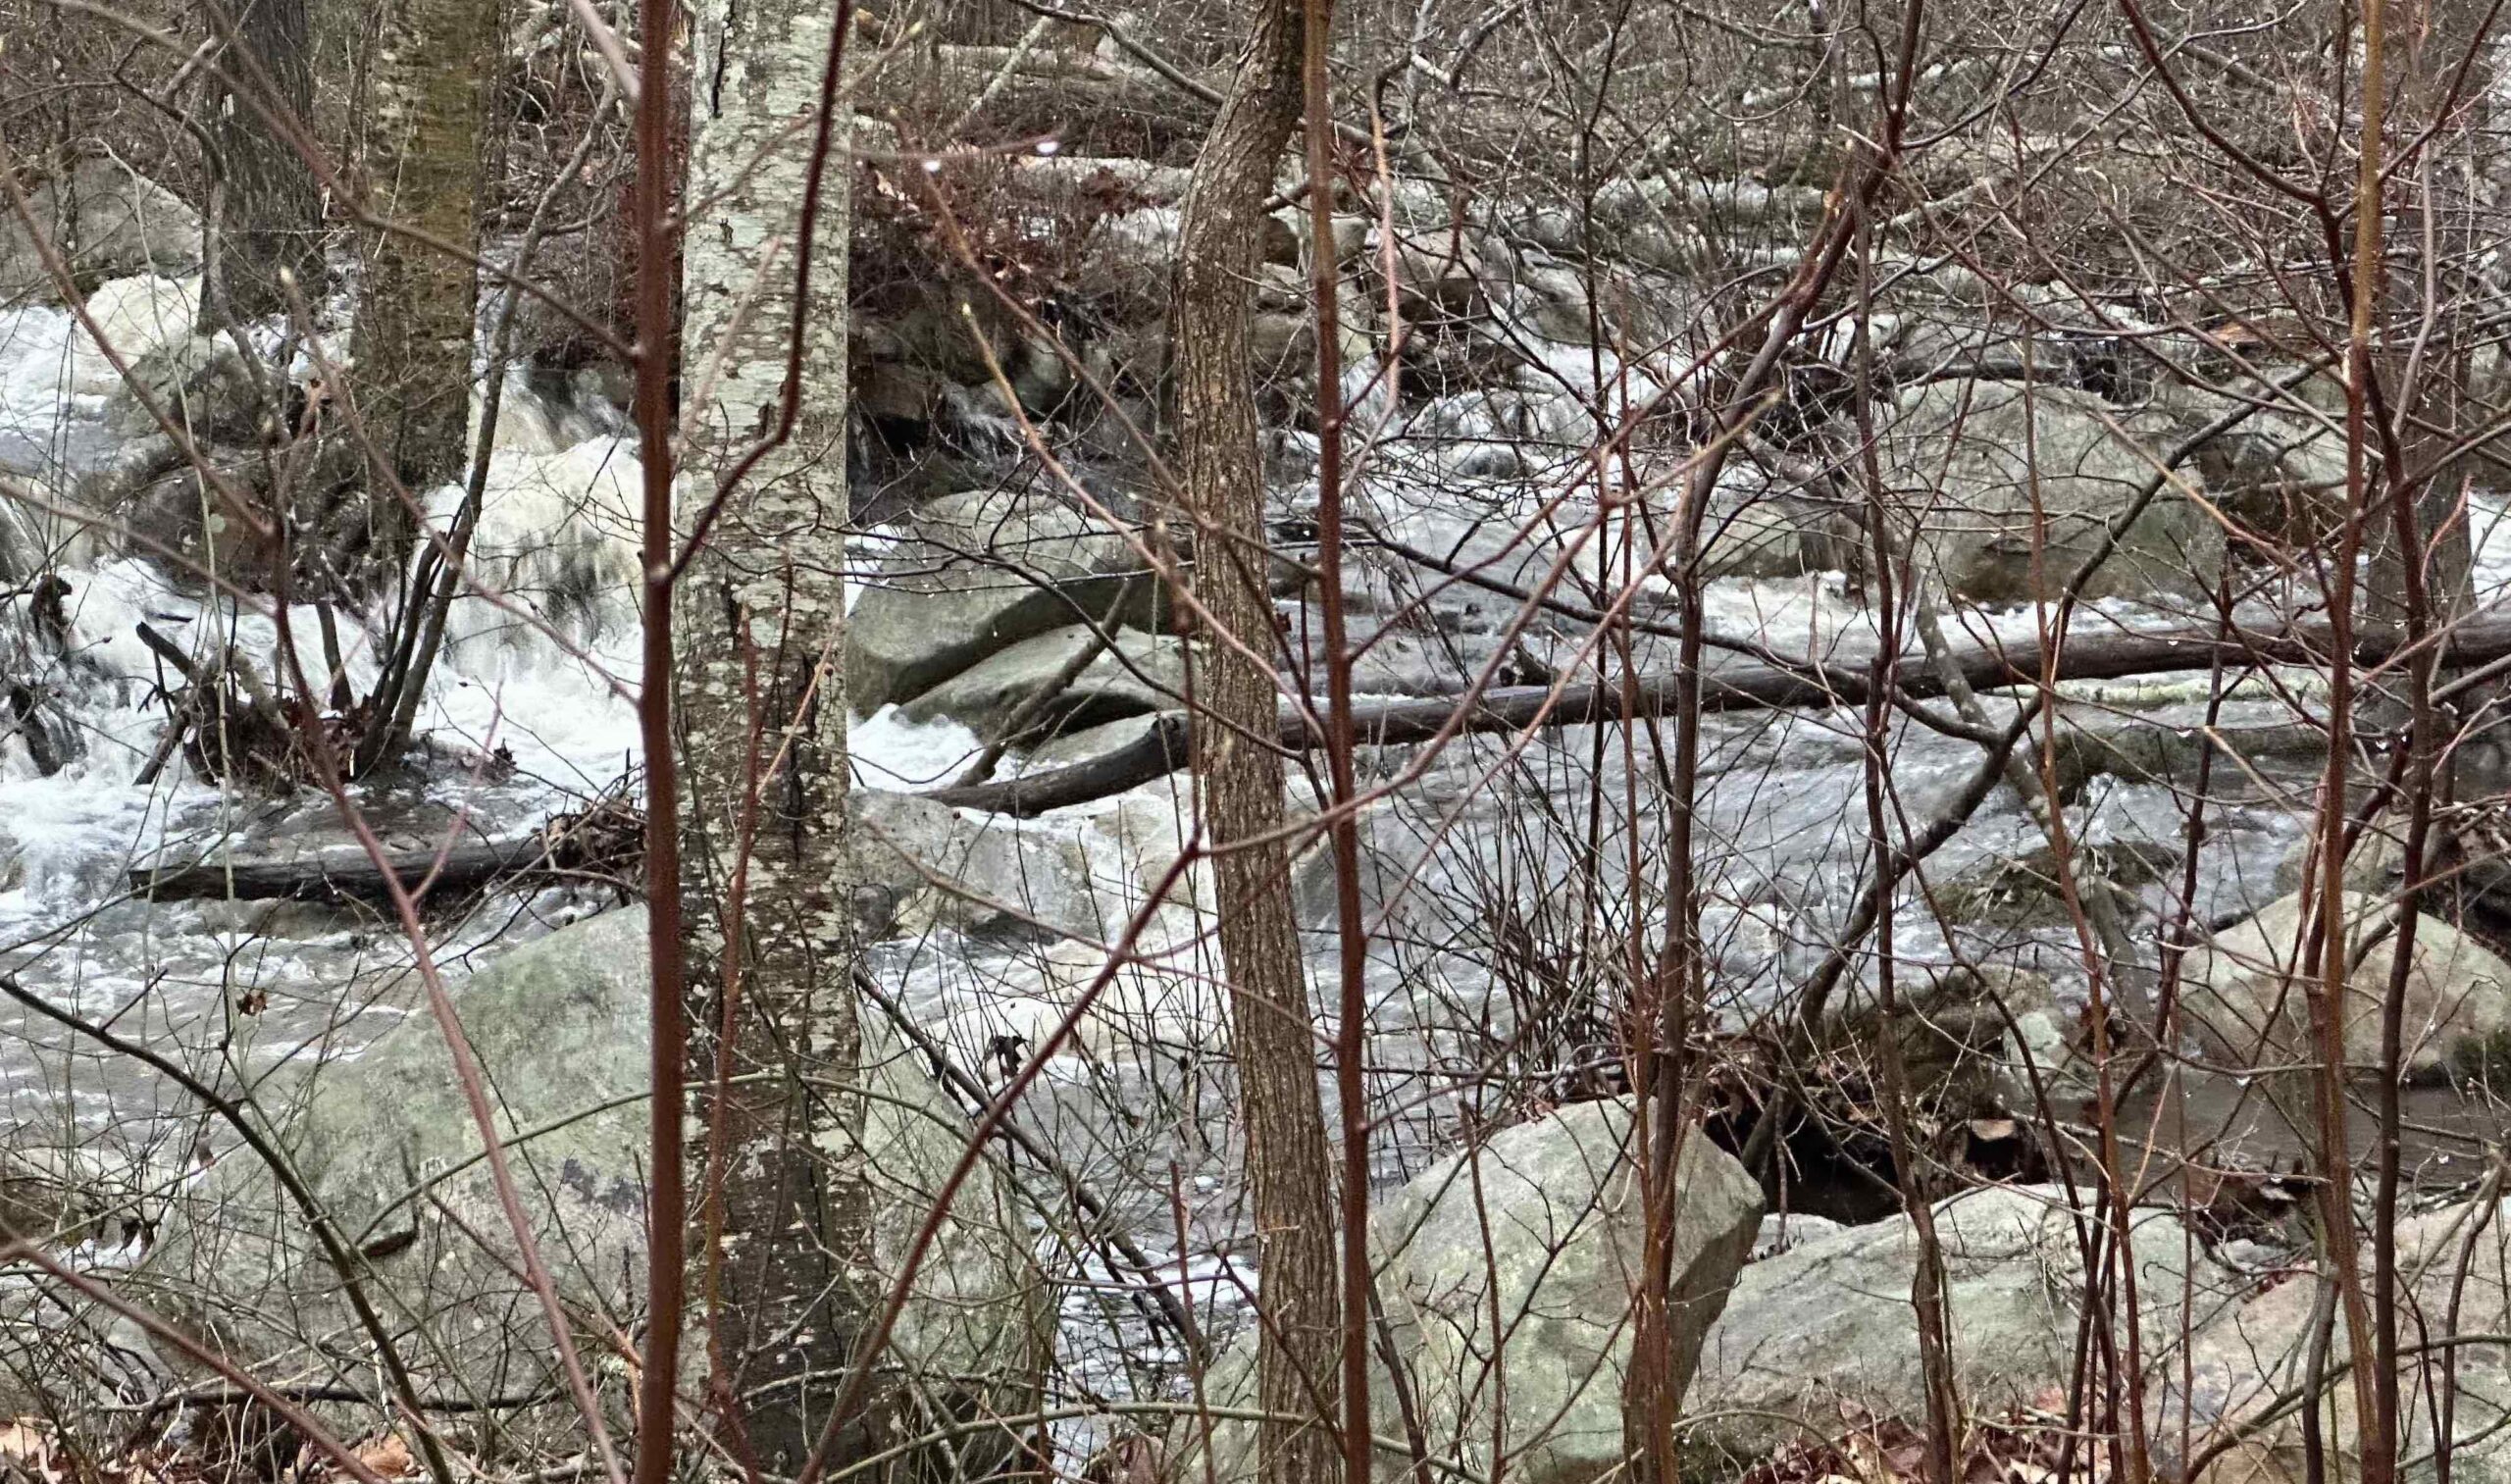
x=389 y=1455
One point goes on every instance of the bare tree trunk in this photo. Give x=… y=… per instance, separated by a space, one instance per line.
x=417 y=302
x=761 y=707
x=270 y=212
x=1237 y=765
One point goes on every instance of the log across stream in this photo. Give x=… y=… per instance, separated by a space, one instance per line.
x=355 y=874
x=1761 y=684
x=1766 y=683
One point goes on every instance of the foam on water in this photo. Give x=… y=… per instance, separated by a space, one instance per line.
x=889 y=752
x=541 y=651
x=545 y=669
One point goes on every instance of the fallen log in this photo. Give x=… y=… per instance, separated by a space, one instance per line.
x=351 y=875
x=1737 y=687
x=1166 y=746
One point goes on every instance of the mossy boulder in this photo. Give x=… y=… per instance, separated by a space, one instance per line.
x=388 y=1147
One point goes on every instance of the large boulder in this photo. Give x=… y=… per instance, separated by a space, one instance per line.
x=1972 y=468
x=1135 y=673
x=1507 y=1273
x=1820 y=1336
x=2250 y=1354
x=388 y=1146
x=922 y=864
x=2245 y=992
x=1560 y=1198
x=106 y=221
x=974 y=573
x=204 y=386
x=1826 y=1330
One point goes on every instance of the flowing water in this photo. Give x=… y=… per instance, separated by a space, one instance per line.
x=1500 y=881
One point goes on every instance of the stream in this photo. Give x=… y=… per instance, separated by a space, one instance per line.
x=1499 y=882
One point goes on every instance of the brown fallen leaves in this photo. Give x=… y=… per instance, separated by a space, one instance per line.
x=2029 y=1446
x=33 y=1451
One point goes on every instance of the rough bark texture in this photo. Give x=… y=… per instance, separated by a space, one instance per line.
x=1238 y=770
x=761 y=707
x=270 y=211
x=417 y=302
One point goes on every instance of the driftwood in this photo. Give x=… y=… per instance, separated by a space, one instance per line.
x=1740 y=687
x=353 y=875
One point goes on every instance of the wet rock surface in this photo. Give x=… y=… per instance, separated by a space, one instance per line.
x=103 y=221
x=978 y=595
x=387 y=1146
x=1506 y=1271
x=2248 y=992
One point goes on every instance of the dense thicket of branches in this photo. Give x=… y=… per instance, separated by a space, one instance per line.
x=1627 y=616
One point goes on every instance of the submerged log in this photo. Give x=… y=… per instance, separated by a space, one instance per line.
x=1775 y=684
x=350 y=875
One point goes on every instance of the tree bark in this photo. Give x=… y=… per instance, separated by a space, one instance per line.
x=417 y=302
x=1238 y=770
x=761 y=713
x=270 y=212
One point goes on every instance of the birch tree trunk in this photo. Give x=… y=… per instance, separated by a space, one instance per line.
x=1238 y=768
x=417 y=302
x=269 y=213
x=761 y=710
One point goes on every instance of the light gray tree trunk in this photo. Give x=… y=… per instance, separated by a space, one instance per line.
x=761 y=710
x=417 y=302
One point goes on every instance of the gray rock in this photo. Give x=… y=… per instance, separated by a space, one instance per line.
x=107 y=221
x=1140 y=672
x=1828 y=1324
x=2253 y=1349
x=932 y=866
x=201 y=382
x=1965 y=461
x=1558 y=1199
x=1079 y=744
x=978 y=571
x=560 y=1028
x=1561 y=1198
x=2242 y=993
